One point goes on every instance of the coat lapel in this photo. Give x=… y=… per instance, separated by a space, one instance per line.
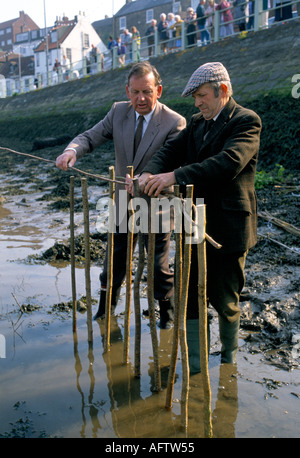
x=218 y=125
x=128 y=134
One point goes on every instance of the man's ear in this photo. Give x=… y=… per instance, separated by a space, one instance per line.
x=224 y=89
x=159 y=91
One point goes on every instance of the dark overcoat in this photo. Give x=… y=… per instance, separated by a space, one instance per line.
x=222 y=169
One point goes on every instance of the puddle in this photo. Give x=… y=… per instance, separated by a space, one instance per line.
x=54 y=384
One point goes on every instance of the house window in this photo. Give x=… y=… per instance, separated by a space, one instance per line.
x=8 y=30
x=53 y=37
x=122 y=23
x=149 y=16
x=1 y=32
x=34 y=34
x=37 y=59
x=22 y=37
x=86 y=40
x=9 y=42
x=69 y=54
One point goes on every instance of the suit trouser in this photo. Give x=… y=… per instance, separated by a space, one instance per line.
x=163 y=278
x=225 y=281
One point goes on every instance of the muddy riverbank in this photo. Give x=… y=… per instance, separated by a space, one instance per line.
x=54 y=385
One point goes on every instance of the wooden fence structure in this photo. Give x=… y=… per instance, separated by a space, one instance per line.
x=183 y=241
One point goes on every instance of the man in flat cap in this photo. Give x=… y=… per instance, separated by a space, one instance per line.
x=217 y=152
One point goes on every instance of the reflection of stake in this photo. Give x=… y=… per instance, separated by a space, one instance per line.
x=177 y=296
x=150 y=289
x=110 y=250
x=87 y=258
x=72 y=250
x=202 y=304
x=182 y=312
x=128 y=272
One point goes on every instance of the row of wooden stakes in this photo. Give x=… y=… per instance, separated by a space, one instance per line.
x=182 y=274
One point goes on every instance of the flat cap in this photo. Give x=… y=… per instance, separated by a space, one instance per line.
x=207 y=73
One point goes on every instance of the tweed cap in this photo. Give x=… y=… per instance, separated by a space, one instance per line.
x=207 y=73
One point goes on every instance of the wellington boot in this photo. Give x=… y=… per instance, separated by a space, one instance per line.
x=166 y=310
x=193 y=342
x=229 y=336
x=114 y=300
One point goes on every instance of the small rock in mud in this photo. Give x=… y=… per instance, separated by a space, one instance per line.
x=62 y=251
x=28 y=308
x=67 y=306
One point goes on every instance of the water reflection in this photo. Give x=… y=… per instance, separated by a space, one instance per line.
x=132 y=414
x=135 y=411
x=225 y=412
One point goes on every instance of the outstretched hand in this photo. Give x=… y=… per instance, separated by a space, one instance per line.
x=65 y=160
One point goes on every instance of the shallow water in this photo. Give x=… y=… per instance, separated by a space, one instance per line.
x=54 y=384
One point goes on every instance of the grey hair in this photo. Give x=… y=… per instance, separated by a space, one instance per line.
x=143 y=68
x=216 y=87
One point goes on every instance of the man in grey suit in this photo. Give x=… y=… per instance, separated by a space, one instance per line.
x=158 y=125
x=217 y=152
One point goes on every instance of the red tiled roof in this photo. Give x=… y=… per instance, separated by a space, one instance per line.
x=42 y=46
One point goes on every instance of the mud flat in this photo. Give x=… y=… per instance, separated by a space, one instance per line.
x=54 y=385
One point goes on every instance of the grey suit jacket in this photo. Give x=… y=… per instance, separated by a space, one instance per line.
x=118 y=125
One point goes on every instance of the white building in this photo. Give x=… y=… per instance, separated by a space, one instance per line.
x=73 y=39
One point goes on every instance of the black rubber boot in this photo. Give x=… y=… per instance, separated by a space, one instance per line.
x=193 y=343
x=166 y=309
x=229 y=336
x=114 y=301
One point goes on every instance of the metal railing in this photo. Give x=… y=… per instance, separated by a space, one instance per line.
x=256 y=20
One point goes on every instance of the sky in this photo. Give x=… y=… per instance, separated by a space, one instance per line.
x=94 y=9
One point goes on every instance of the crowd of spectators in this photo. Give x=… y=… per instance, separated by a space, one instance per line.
x=235 y=16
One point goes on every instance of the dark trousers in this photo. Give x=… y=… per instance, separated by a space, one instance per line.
x=225 y=281
x=163 y=278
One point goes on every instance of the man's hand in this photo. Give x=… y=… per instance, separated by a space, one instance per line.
x=142 y=183
x=66 y=159
x=151 y=184
x=154 y=184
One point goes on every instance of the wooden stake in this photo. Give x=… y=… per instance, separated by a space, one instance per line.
x=137 y=304
x=110 y=250
x=183 y=306
x=72 y=249
x=202 y=304
x=177 y=298
x=128 y=273
x=87 y=257
x=151 y=306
